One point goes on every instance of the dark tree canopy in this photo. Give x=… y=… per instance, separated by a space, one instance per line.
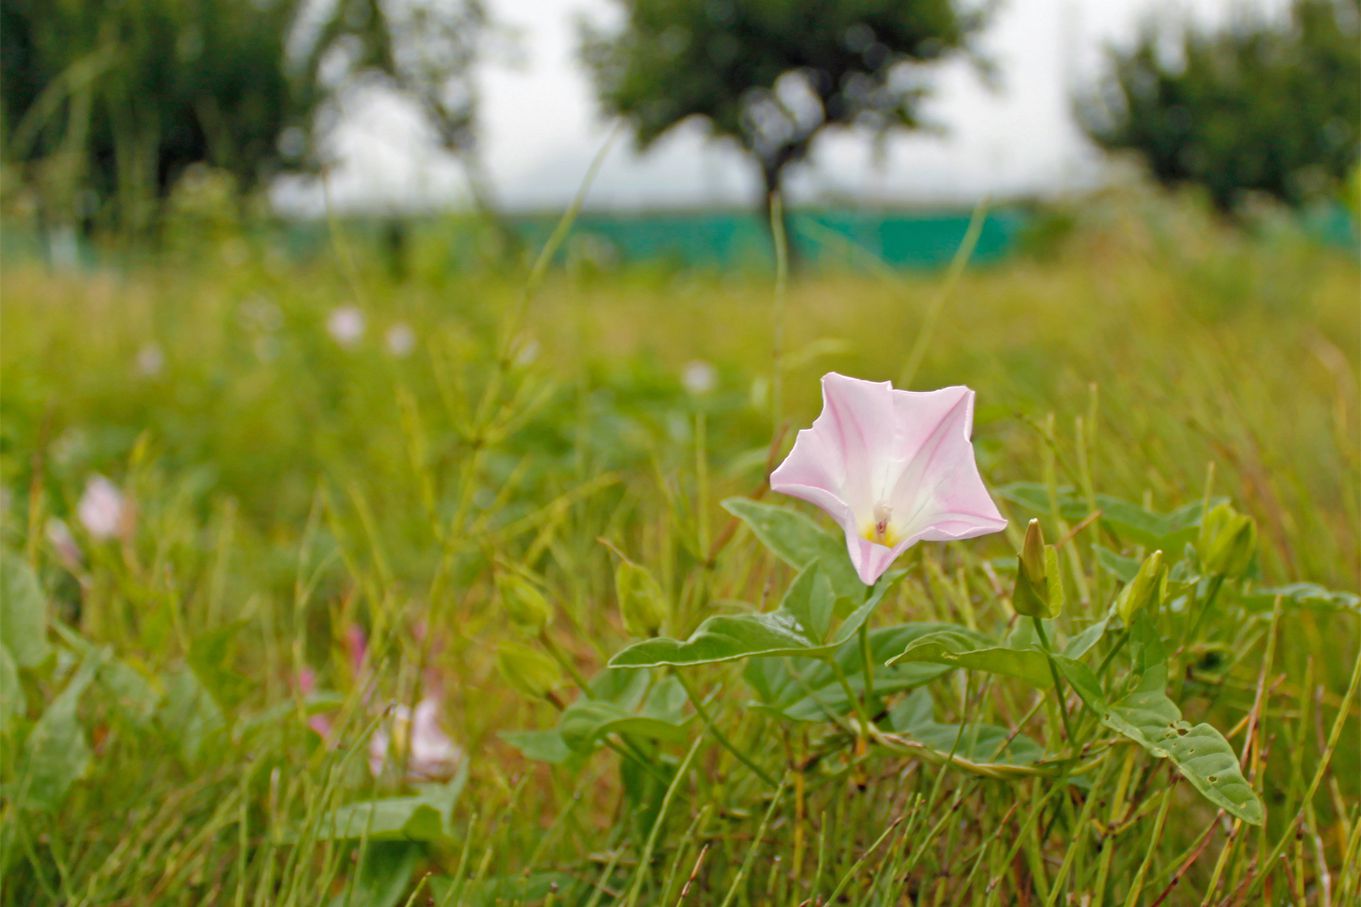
x=107 y=104
x=772 y=74
x=1259 y=107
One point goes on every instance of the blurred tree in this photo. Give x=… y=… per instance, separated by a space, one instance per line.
x=106 y=105
x=1268 y=107
x=771 y=75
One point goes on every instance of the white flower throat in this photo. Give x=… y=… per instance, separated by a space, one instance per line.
x=881 y=532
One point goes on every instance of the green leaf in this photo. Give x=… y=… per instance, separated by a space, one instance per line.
x=209 y=656
x=383 y=876
x=56 y=754
x=1169 y=531
x=1304 y=595
x=1083 y=680
x=23 y=612
x=978 y=743
x=788 y=630
x=132 y=694
x=189 y=716
x=960 y=647
x=661 y=716
x=12 y=701
x=1148 y=717
x=1121 y=567
x=807 y=689
x=799 y=541
x=1082 y=643
x=541 y=746
x=1200 y=752
x=1033 y=498
x=424 y=816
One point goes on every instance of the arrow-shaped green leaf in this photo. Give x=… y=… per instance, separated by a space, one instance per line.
x=791 y=629
x=960 y=647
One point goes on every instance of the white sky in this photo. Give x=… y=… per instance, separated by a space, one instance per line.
x=540 y=128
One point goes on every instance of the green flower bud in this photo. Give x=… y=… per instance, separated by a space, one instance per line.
x=1039 y=581
x=641 y=602
x=1227 y=542
x=524 y=603
x=1146 y=591
x=529 y=671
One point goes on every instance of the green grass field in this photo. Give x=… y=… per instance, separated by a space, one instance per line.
x=284 y=494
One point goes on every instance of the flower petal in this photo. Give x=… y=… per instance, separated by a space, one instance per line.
x=870 y=559
x=839 y=462
x=940 y=491
x=814 y=472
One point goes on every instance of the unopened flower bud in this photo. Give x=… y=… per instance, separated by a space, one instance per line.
x=1227 y=542
x=524 y=604
x=529 y=671
x=1039 y=584
x=1146 y=591
x=641 y=602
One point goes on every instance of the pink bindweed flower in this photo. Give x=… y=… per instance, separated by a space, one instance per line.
x=150 y=361
x=103 y=510
x=417 y=737
x=345 y=325
x=892 y=467
x=64 y=543
x=307 y=684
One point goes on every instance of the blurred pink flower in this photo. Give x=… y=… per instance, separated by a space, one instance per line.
x=64 y=543
x=346 y=325
x=356 y=646
x=150 y=360
x=103 y=510
x=417 y=738
x=892 y=467
x=307 y=683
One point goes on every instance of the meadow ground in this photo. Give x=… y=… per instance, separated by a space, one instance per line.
x=326 y=484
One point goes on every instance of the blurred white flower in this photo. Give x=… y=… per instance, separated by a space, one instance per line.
x=527 y=353
x=103 y=509
x=259 y=313
x=699 y=377
x=71 y=445
x=400 y=339
x=418 y=739
x=63 y=542
x=346 y=325
x=150 y=360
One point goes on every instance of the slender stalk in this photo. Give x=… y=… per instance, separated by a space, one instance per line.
x=1059 y=688
x=1325 y=759
x=697 y=701
x=646 y=857
x=867 y=665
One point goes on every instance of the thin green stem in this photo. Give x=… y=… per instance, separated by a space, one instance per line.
x=867 y=665
x=1059 y=688
x=697 y=701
